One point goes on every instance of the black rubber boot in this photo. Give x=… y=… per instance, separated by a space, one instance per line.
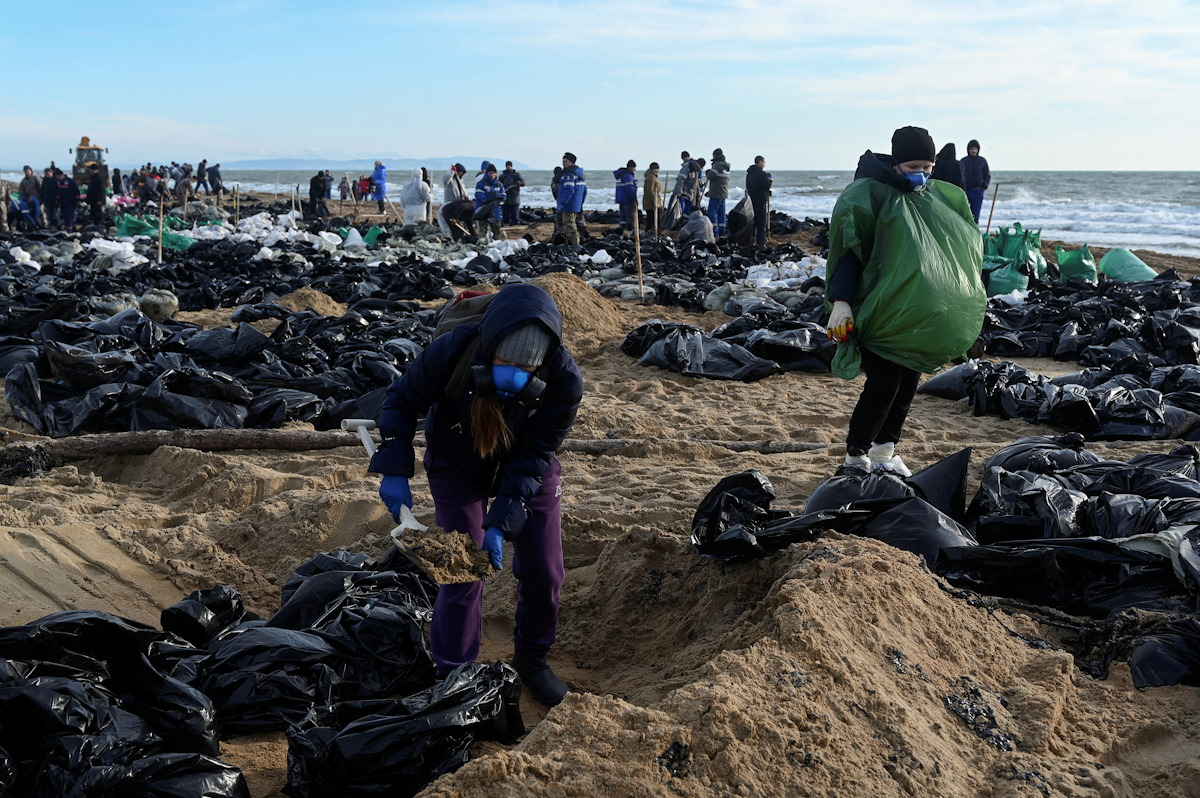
x=539 y=679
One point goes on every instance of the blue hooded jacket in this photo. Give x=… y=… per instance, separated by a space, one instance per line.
x=380 y=178
x=513 y=475
x=626 y=185
x=488 y=189
x=572 y=190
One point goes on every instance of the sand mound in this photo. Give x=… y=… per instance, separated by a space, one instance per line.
x=590 y=322
x=310 y=299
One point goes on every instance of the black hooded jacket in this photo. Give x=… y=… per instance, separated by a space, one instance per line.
x=512 y=475
x=947 y=168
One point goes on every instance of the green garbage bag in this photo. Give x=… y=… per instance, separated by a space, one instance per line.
x=176 y=241
x=1123 y=266
x=344 y=232
x=372 y=235
x=920 y=301
x=130 y=225
x=1006 y=279
x=1023 y=246
x=1075 y=263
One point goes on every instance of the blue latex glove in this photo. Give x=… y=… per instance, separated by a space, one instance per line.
x=493 y=544
x=394 y=491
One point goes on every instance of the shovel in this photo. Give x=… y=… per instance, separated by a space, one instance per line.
x=445 y=558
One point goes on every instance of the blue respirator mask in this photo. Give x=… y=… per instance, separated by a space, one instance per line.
x=917 y=179
x=509 y=380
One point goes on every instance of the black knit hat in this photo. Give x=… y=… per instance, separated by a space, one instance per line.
x=570 y=156
x=913 y=144
x=525 y=346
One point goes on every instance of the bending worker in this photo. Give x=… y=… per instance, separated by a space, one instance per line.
x=495 y=440
x=903 y=288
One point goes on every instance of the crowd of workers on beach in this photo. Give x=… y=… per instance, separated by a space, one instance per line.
x=695 y=206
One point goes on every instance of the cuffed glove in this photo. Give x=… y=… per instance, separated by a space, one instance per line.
x=394 y=491
x=493 y=544
x=841 y=321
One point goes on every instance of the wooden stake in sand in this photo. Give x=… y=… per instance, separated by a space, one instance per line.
x=276 y=185
x=637 y=251
x=235 y=205
x=993 y=210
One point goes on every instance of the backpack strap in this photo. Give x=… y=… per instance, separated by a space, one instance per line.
x=460 y=378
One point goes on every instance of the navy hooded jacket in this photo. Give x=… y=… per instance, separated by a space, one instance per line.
x=513 y=475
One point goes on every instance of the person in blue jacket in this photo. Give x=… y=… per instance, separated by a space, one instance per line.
x=379 y=181
x=976 y=177
x=626 y=197
x=489 y=192
x=572 y=191
x=497 y=442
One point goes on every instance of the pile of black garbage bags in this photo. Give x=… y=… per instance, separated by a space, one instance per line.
x=1052 y=525
x=764 y=338
x=1128 y=401
x=92 y=704
x=73 y=364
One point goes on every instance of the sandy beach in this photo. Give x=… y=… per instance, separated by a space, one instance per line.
x=825 y=669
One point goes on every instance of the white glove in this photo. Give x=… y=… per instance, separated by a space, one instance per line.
x=841 y=321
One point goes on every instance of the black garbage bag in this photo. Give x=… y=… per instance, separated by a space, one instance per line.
x=843 y=490
x=1123 y=515
x=112 y=652
x=265 y=679
x=397 y=747
x=695 y=354
x=1042 y=454
x=157 y=776
x=1171 y=655
x=1015 y=505
x=206 y=613
x=1088 y=576
x=382 y=646
x=804 y=348
x=954 y=382
x=944 y=483
x=639 y=340
x=912 y=524
x=730 y=514
x=1182 y=460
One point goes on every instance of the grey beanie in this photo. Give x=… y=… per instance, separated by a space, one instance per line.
x=525 y=346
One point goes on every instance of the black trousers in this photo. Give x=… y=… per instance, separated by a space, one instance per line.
x=883 y=404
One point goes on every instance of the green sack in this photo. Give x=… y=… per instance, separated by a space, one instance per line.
x=344 y=232
x=1006 y=279
x=1078 y=263
x=130 y=225
x=176 y=241
x=920 y=301
x=1123 y=266
x=1023 y=246
x=372 y=234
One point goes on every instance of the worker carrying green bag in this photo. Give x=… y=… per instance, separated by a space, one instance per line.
x=903 y=288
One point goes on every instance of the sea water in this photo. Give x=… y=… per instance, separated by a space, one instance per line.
x=1158 y=211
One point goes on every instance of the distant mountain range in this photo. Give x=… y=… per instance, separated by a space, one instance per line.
x=359 y=164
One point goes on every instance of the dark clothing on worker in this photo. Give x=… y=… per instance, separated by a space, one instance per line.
x=458 y=217
x=758 y=187
x=68 y=199
x=510 y=212
x=522 y=476
x=976 y=178
x=317 y=191
x=947 y=167
x=95 y=196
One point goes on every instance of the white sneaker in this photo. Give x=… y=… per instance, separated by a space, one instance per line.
x=883 y=457
x=858 y=462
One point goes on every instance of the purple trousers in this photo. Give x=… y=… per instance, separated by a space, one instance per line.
x=457 y=627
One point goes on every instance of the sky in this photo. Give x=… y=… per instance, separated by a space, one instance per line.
x=1045 y=85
